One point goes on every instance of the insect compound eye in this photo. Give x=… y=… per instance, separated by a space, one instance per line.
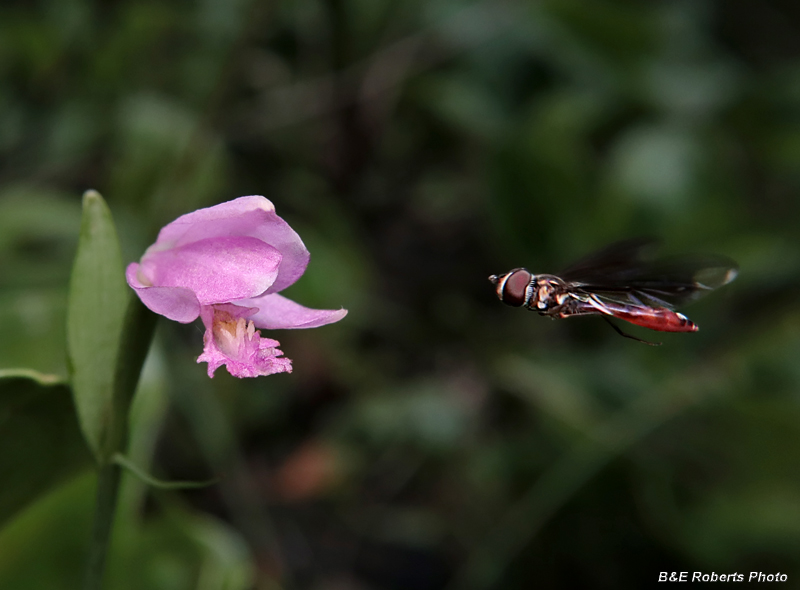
x=512 y=290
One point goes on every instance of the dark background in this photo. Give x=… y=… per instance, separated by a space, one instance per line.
x=434 y=438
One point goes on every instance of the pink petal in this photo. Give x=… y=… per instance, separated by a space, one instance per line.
x=216 y=269
x=175 y=303
x=231 y=340
x=276 y=312
x=252 y=216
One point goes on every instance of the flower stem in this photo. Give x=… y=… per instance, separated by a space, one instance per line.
x=137 y=333
x=108 y=478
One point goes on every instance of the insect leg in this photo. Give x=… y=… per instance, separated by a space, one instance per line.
x=621 y=333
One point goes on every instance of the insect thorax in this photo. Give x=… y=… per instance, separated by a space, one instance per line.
x=545 y=293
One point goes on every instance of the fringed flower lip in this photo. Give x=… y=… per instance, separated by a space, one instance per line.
x=226 y=265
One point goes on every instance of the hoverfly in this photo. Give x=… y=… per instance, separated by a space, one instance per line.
x=620 y=282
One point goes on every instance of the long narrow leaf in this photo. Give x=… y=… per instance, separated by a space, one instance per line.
x=96 y=308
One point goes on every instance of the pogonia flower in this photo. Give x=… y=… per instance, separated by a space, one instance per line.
x=226 y=264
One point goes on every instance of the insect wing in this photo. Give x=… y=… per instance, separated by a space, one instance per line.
x=615 y=260
x=621 y=274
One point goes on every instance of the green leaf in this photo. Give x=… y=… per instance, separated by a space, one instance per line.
x=97 y=302
x=40 y=441
x=172 y=548
x=126 y=463
x=44 y=546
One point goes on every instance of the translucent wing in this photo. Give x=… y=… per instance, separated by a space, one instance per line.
x=616 y=258
x=622 y=273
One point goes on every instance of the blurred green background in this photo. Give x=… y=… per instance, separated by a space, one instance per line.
x=434 y=438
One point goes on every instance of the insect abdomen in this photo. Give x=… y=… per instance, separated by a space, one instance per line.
x=663 y=320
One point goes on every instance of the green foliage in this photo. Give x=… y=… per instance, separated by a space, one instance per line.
x=181 y=551
x=125 y=463
x=32 y=555
x=96 y=309
x=40 y=442
x=38 y=233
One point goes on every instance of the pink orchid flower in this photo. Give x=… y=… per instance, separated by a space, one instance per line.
x=226 y=264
